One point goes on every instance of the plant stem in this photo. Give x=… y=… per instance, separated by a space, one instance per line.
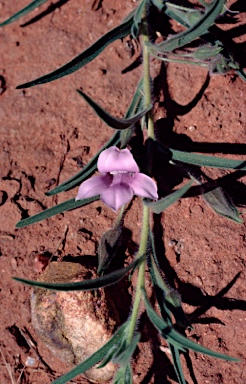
x=145 y=225
x=141 y=274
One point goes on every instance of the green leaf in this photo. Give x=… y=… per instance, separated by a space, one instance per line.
x=93 y=359
x=137 y=100
x=193 y=32
x=208 y=161
x=185 y=16
x=242 y=74
x=85 y=285
x=160 y=4
x=162 y=204
x=124 y=375
x=175 y=338
x=137 y=19
x=109 y=247
x=60 y=208
x=206 y=51
x=108 y=356
x=177 y=364
x=170 y=300
x=118 y=137
x=201 y=160
x=163 y=327
x=110 y=120
x=222 y=204
x=87 y=171
x=136 y=104
x=85 y=57
x=123 y=358
x=216 y=198
x=173 y=303
x=160 y=287
x=24 y=11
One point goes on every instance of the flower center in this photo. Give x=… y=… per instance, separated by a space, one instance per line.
x=121 y=172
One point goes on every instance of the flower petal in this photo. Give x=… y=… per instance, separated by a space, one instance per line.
x=93 y=186
x=114 y=159
x=116 y=196
x=143 y=186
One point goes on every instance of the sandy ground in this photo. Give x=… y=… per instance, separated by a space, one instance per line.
x=48 y=133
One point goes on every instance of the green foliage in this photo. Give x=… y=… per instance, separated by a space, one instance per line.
x=87 y=171
x=24 y=11
x=93 y=359
x=196 y=30
x=112 y=121
x=200 y=160
x=124 y=375
x=109 y=247
x=137 y=19
x=222 y=204
x=62 y=207
x=85 y=285
x=211 y=53
x=168 y=298
x=162 y=204
x=175 y=338
x=85 y=57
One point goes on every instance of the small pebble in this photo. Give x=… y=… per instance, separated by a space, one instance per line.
x=192 y=128
x=30 y=361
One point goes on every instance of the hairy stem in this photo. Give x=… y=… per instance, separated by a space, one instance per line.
x=141 y=274
x=145 y=225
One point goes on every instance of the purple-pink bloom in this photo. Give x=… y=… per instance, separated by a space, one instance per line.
x=119 y=181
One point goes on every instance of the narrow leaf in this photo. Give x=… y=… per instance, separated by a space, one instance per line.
x=177 y=364
x=201 y=160
x=206 y=51
x=222 y=204
x=208 y=161
x=217 y=198
x=110 y=120
x=175 y=338
x=160 y=4
x=24 y=11
x=123 y=358
x=135 y=30
x=163 y=327
x=160 y=288
x=108 y=357
x=118 y=137
x=185 y=16
x=87 y=171
x=242 y=74
x=136 y=105
x=60 y=208
x=136 y=100
x=193 y=32
x=93 y=359
x=124 y=375
x=85 y=285
x=171 y=299
x=162 y=204
x=109 y=247
x=85 y=57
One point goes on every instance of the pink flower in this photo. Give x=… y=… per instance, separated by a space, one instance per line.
x=120 y=179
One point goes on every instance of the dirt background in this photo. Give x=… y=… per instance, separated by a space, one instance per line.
x=48 y=132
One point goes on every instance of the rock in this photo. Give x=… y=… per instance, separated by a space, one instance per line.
x=74 y=324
